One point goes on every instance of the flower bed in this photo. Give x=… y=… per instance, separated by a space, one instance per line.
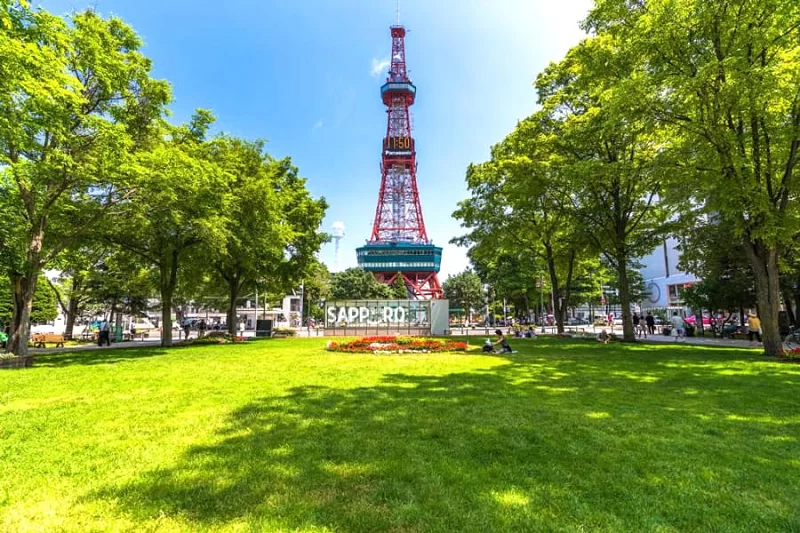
x=792 y=356
x=386 y=344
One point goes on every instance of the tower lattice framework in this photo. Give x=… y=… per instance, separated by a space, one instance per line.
x=399 y=243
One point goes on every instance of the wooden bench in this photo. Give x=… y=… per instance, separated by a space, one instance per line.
x=40 y=340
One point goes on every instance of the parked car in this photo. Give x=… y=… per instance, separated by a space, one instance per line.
x=692 y=320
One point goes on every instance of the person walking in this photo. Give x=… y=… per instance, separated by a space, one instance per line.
x=641 y=330
x=636 y=321
x=651 y=323
x=678 y=325
x=105 y=334
x=753 y=327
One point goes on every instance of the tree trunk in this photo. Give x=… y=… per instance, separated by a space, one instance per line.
x=764 y=263
x=169 y=278
x=72 y=314
x=72 y=308
x=567 y=289
x=166 y=317
x=233 y=294
x=628 y=334
x=112 y=313
x=23 y=285
x=22 y=289
x=555 y=289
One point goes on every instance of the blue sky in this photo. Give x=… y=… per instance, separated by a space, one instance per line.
x=300 y=74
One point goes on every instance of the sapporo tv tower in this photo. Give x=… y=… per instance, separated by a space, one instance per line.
x=399 y=244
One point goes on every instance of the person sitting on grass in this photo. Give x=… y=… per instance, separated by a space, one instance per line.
x=502 y=342
x=603 y=337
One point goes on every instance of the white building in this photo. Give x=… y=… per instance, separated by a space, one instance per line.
x=662 y=279
x=291 y=309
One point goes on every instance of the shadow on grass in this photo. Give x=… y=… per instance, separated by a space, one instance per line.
x=96 y=356
x=605 y=440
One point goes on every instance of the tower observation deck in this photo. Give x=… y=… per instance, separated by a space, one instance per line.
x=399 y=244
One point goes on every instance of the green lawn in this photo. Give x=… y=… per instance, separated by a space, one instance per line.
x=280 y=435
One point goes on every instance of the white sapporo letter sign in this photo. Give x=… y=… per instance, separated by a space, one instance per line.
x=363 y=315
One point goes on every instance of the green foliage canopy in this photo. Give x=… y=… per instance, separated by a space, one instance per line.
x=357 y=284
x=724 y=78
x=464 y=290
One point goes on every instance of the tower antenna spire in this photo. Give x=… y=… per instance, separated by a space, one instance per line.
x=398 y=12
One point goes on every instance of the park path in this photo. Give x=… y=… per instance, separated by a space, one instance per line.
x=702 y=341
x=657 y=339
x=89 y=347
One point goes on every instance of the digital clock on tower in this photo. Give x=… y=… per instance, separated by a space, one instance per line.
x=404 y=145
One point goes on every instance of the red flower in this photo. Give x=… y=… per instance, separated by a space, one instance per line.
x=385 y=343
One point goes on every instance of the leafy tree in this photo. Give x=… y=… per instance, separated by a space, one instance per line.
x=77 y=266
x=71 y=289
x=398 y=287
x=357 y=284
x=120 y=282
x=519 y=205
x=181 y=202
x=273 y=222
x=464 y=290
x=713 y=253
x=43 y=308
x=510 y=274
x=636 y=287
x=726 y=75
x=317 y=287
x=609 y=153
x=74 y=100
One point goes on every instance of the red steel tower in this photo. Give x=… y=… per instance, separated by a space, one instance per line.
x=399 y=243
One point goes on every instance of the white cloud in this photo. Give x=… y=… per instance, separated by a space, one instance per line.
x=379 y=65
